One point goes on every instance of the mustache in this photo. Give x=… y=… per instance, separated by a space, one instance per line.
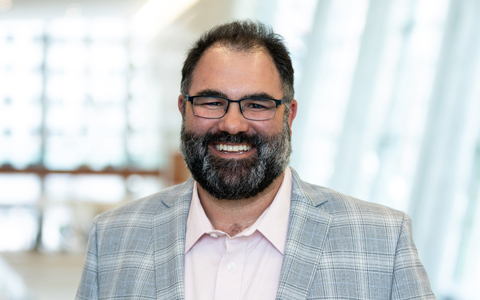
x=255 y=140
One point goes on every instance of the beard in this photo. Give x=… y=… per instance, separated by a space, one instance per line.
x=242 y=178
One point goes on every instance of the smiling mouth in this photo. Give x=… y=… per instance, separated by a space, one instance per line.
x=238 y=148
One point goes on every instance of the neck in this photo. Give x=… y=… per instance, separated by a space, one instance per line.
x=233 y=216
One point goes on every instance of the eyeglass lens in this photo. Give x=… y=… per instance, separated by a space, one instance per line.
x=214 y=107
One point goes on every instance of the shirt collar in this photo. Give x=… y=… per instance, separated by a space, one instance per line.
x=272 y=224
x=197 y=222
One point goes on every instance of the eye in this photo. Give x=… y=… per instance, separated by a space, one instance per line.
x=259 y=104
x=212 y=103
x=209 y=102
x=256 y=106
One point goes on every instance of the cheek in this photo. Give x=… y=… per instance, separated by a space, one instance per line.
x=199 y=125
x=267 y=127
x=275 y=124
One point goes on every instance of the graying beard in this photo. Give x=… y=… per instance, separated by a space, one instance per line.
x=226 y=182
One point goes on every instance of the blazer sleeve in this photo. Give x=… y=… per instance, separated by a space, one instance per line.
x=410 y=280
x=88 y=288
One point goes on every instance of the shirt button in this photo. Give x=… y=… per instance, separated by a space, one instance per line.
x=231 y=267
x=214 y=235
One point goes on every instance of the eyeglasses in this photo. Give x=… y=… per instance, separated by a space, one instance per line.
x=215 y=107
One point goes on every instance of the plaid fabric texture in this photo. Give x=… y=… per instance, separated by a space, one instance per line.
x=337 y=247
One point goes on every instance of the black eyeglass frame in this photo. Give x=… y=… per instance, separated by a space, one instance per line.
x=277 y=103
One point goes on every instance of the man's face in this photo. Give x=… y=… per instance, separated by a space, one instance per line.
x=257 y=151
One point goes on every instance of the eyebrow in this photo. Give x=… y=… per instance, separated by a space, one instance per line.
x=212 y=92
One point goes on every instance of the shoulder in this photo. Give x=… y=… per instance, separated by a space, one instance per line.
x=347 y=208
x=142 y=210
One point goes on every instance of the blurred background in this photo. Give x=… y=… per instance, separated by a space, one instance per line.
x=389 y=105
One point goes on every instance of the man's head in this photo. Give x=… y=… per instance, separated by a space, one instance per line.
x=244 y=36
x=233 y=157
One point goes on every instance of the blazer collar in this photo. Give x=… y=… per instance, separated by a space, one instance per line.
x=169 y=229
x=308 y=229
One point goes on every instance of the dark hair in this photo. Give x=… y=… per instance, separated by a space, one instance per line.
x=243 y=36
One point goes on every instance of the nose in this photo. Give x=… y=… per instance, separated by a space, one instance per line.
x=233 y=122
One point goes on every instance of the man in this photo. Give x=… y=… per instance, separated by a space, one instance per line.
x=245 y=226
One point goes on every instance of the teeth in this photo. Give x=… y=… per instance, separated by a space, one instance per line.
x=232 y=148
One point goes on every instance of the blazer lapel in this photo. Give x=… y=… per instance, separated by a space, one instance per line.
x=307 y=232
x=169 y=227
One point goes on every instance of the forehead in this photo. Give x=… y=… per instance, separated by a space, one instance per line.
x=236 y=72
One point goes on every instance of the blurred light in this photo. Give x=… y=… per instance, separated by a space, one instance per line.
x=25 y=54
x=136 y=143
x=5 y=5
x=12 y=285
x=65 y=118
x=302 y=11
x=106 y=151
x=134 y=183
x=370 y=164
x=136 y=116
x=107 y=29
x=62 y=88
x=73 y=10
x=21 y=30
x=141 y=186
x=57 y=228
x=155 y=15
x=138 y=55
x=106 y=120
x=71 y=57
x=19 y=189
x=106 y=57
x=139 y=84
x=30 y=154
x=113 y=119
x=99 y=188
x=398 y=192
x=58 y=187
x=63 y=152
x=106 y=88
x=67 y=29
x=24 y=85
x=18 y=228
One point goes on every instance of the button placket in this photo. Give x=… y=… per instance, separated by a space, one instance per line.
x=230 y=271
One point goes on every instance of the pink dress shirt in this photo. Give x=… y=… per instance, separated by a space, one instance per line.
x=246 y=266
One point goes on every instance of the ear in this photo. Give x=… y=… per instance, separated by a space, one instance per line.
x=180 y=104
x=292 y=113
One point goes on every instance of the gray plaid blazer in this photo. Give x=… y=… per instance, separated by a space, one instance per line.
x=337 y=247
